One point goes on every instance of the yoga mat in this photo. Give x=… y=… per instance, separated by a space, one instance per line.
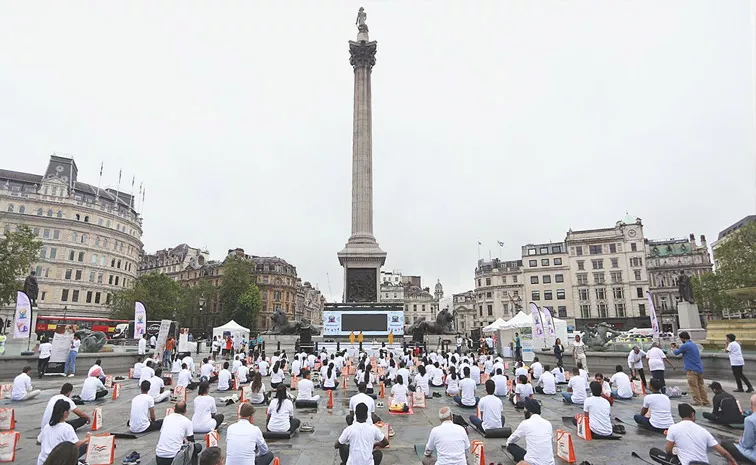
x=410 y=412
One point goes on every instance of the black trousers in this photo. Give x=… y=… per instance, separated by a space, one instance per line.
x=42 y=365
x=344 y=454
x=101 y=393
x=517 y=452
x=740 y=377
x=77 y=423
x=642 y=376
x=722 y=420
x=659 y=374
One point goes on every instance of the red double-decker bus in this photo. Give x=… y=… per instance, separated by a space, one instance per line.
x=46 y=325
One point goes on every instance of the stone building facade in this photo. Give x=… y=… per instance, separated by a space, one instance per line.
x=499 y=290
x=91 y=237
x=172 y=261
x=608 y=273
x=309 y=303
x=418 y=303
x=547 y=278
x=464 y=312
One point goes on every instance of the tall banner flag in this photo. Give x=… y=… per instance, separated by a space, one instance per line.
x=548 y=321
x=537 y=322
x=140 y=320
x=652 y=314
x=22 y=320
x=165 y=328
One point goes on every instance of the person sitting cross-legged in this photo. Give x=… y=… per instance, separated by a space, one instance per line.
x=22 y=386
x=65 y=394
x=358 y=441
x=206 y=371
x=143 y=412
x=224 y=378
x=157 y=387
x=185 y=378
x=176 y=431
x=538 y=437
x=660 y=407
x=206 y=417
x=467 y=396
x=575 y=388
x=305 y=387
x=281 y=414
x=745 y=450
x=244 y=441
x=726 y=410
x=448 y=440
x=490 y=410
x=93 y=388
x=624 y=385
x=523 y=390
x=500 y=379
x=58 y=430
x=598 y=410
x=362 y=398
x=546 y=382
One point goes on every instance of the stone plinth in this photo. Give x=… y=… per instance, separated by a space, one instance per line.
x=690 y=321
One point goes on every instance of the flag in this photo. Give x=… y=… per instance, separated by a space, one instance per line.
x=119 y=176
x=133 y=178
x=140 y=320
x=480 y=243
x=548 y=321
x=501 y=244
x=101 y=163
x=22 y=320
x=537 y=322
x=652 y=314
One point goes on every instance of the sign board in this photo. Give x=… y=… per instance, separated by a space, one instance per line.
x=61 y=345
x=183 y=342
x=165 y=327
x=370 y=323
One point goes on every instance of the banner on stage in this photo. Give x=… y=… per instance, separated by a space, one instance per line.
x=370 y=323
x=22 y=321
x=140 y=320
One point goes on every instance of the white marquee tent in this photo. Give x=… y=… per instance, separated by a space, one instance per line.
x=233 y=328
x=495 y=326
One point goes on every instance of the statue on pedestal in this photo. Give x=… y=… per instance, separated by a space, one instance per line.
x=31 y=288
x=444 y=324
x=281 y=325
x=685 y=288
x=360 y=21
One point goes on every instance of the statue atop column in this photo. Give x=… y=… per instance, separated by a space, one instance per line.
x=360 y=21
x=31 y=288
x=685 y=288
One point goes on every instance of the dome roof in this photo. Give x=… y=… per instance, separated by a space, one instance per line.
x=438 y=285
x=629 y=219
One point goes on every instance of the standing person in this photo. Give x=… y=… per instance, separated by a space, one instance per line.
x=660 y=407
x=229 y=352
x=736 y=362
x=215 y=347
x=153 y=342
x=656 y=360
x=143 y=412
x=45 y=350
x=726 y=410
x=142 y=346
x=206 y=417
x=169 y=345
x=558 y=351
x=518 y=347
x=245 y=444
x=578 y=352
x=22 y=386
x=635 y=363
x=449 y=441
x=70 y=367
x=745 y=450
x=57 y=431
x=537 y=433
x=459 y=344
x=691 y=441
x=693 y=369
x=176 y=430
x=280 y=418
x=358 y=441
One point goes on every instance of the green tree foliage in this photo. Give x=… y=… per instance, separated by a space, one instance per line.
x=162 y=297
x=239 y=295
x=197 y=299
x=18 y=251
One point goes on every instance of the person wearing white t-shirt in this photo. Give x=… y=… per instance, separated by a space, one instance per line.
x=656 y=360
x=475 y=373
x=206 y=417
x=262 y=367
x=65 y=394
x=737 y=362
x=185 y=378
x=501 y=383
x=546 y=382
x=257 y=390
x=245 y=444
x=147 y=372
x=575 y=388
x=142 y=346
x=467 y=396
x=177 y=429
x=660 y=407
x=305 y=388
x=452 y=381
x=421 y=381
x=357 y=443
x=296 y=367
x=449 y=441
x=635 y=364
x=622 y=381
x=559 y=375
x=93 y=388
x=57 y=431
x=399 y=391
x=189 y=361
x=157 y=387
x=606 y=388
x=522 y=390
x=70 y=367
x=537 y=368
x=491 y=411
x=277 y=373
x=137 y=371
x=520 y=370
x=537 y=431
x=437 y=377
x=599 y=413
x=97 y=366
x=22 y=386
x=328 y=378
x=404 y=371
x=142 y=416
x=362 y=398
x=153 y=341
x=280 y=415
x=45 y=350
x=206 y=371
x=224 y=378
x=691 y=441
x=243 y=373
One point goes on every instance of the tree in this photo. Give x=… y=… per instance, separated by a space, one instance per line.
x=162 y=297
x=18 y=251
x=239 y=295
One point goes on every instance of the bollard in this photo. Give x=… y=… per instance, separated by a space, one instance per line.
x=278 y=346
x=338 y=346
x=360 y=347
x=316 y=347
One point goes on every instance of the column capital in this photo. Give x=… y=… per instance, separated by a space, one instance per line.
x=362 y=54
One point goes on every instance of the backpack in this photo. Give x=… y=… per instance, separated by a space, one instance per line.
x=673 y=392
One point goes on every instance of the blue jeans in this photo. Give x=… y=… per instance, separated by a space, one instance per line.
x=616 y=396
x=167 y=358
x=568 y=398
x=478 y=423
x=458 y=400
x=71 y=362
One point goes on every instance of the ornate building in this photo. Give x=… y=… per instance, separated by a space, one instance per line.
x=498 y=290
x=173 y=261
x=547 y=279
x=309 y=303
x=419 y=302
x=464 y=312
x=91 y=237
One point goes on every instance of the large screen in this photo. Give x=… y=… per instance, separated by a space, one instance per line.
x=364 y=322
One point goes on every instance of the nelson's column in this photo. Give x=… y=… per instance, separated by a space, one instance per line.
x=362 y=258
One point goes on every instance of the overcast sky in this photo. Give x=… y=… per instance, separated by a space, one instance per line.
x=511 y=121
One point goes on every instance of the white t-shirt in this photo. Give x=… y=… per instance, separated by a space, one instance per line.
x=405 y=375
x=421 y=382
x=242 y=374
x=175 y=428
x=75 y=345
x=361 y=437
x=521 y=371
x=51 y=403
x=242 y=438
x=262 y=367
x=90 y=388
x=549 y=382
x=146 y=374
x=21 y=385
x=45 y=349
x=207 y=370
x=184 y=378
x=437 y=379
x=51 y=436
x=363 y=399
x=523 y=391
x=156 y=384
x=661 y=410
x=490 y=409
x=599 y=412
x=142 y=346
x=140 y=412
x=93 y=368
x=501 y=385
x=296 y=367
x=624 y=387
x=467 y=388
x=277 y=376
x=204 y=408
x=577 y=383
x=691 y=440
x=189 y=363
x=328 y=381
x=736 y=355
x=559 y=375
x=452 y=385
x=279 y=419
x=450 y=442
x=305 y=389
x=655 y=358
x=224 y=378
x=153 y=340
x=537 y=369
x=538 y=440
x=137 y=370
x=635 y=361
x=475 y=373
x=399 y=393
x=257 y=397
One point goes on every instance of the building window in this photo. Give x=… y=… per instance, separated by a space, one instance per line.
x=663 y=302
x=94 y=259
x=556 y=248
x=68 y=273
x=78 y=275
x=600 y=293
x=533 y=263
x=616 y=276
x=503 y=279
x=619 y=309
x=39 y=212
x=488 y=296
x=99 y=278
x=581 y=265
x=583 y=294
x=642 y=309
x=97 y=297
x=617 y=292
x=598 y=278
x=49 y=213
x=636 y=261
x=480 y=308
x=612 y=248
x=585 y=311
x=102 y=260
x=579 y=250
x=561 y=294
x=594 y=249
x=534 y=280
x=633 y=247
x=535 y=295
x=64 y=295
x=89 y=297
x=562 y=311
x=637 y=274
x=544 y=262
x=582 y=278
x=75 y=296
x=422 y=308
x=488 y=281
x=639 y=292
x=544 y=250
x=557 y=261
x=56 y=234
x=81 y=256
x=479 y=283
x=42 y=296
x=558 y=278
x=532 y=252
x=108 y=298
x=110 y=279
x=615 y=262
x=602 y=310
x=91 y=276
x=43 y=253
x=597 y=264
x=53 y=253
x=547 y=279
x=514 y=279
x=548 y=295
x=116 y=280
x=414 y=307
x=60 y=214
x=490 y=310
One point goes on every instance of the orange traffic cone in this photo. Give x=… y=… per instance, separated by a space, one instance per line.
x=330 y=398
x=479 y=452
x=276 y=461
x=383 y=391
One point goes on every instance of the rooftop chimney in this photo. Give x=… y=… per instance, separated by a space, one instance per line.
x=703 y=240
x=693 y=240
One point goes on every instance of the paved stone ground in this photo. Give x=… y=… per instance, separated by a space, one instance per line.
x=317 y=448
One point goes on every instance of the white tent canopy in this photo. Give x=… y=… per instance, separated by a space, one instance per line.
x=521 y=320
x=495 y=326
x=233 y=328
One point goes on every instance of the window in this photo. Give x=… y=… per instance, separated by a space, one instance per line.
x=558 y=278
x=91 y=276
x=602 y=310
x=102 y=260
x=108 y=299
x=479 y=283
x=633 y=247
x=560 y=294
x=642 y=309
x=56 y=234
x=556 y=249
x=78 y=275
x=585 y=311
x=68 y=273
x=533 y=263
x=544 y=262
x=89 y=297
x=75 y=296
x=60 y=214
x=535 y=295
x=639 y=292
x=582 y=278
x=562 y=311
x=504 y=279
x=488 y=281
x=557 y=261
x=414 y=307
x=44 y=294
x=480 y=308
x=99 y=222
x=581 y=264
x=583 y=294
x=488 y=296
x=616 y=276
x=548 y=295
x=637 y=274
x=594 y=249
x=531 y=251
x=86 y=219
x=619 y=309
x=547 y=279
x=598 y=278
x=118 y=265
x=534 y=280
x=39 y=212
x=112 y=265
x=83 y=238
x=50 y=213
x=490 y=310
x=597 y=264
x=110 y=279
x=514 y=279
x=94 y=259
x=74 y=237
x=99 y=278
x=53 y=252
x=81 y=256
x=10 y=208
x=636 y=261
x=615 y=262
x=64 y=295
x=617 y=292
x=38 y=270
x=43 y=253
x=600 y=293
x=579 y=251
x=36 y=231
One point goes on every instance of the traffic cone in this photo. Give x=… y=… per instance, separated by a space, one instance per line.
x=330 y=398
x=383 y=391
x=479 y=452
x=276 y=461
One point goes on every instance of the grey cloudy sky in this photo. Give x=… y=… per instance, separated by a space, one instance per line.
x=510 y=121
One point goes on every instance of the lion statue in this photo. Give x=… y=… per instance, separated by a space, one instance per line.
x=444 y=324
x=91 y=341
x=281 y=325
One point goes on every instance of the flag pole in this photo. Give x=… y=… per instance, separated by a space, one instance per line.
x=99 y=181
x=479 y=248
